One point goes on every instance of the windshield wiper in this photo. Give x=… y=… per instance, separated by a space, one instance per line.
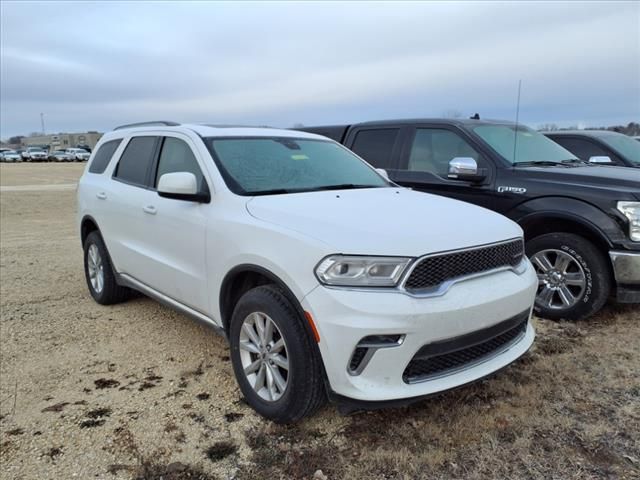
x=343 y=186
x=273 y=191
x=574 y=160
x=544 y=163
x=280 y=191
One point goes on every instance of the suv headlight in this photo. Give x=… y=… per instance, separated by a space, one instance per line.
x=361 y=271
x=631 y=210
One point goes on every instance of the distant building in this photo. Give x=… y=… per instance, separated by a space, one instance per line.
x=62 y=141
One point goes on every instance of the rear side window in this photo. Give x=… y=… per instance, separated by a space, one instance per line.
x=176 y=156
x=376 y=146
x=103 y=156
x=136 y=159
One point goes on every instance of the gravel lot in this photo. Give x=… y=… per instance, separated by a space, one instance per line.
x=139 y=391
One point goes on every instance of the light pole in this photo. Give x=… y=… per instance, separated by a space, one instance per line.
x=42 y=122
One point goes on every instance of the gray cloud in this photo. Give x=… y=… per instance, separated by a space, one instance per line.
x=94 y=65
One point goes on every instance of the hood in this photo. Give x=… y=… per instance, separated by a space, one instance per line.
x=384 y=221
x=618 y=180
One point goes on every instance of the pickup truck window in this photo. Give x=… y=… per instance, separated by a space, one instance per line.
x=434 y=148
x=263 y=166
x=376 y=146
x=176 y=156
x=626 y=146
x=530 y=146
x=583 y=149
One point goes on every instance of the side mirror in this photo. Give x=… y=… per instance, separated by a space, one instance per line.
x=384 y=173
x=465 y=168
x=181 y=186
x=600 y=159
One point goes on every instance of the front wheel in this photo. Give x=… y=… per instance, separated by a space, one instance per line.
x=274 y=360
x=573 y=276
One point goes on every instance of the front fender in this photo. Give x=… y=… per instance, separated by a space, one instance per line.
x=599 y=223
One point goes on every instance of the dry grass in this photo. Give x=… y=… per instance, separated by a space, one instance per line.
x=138 y=391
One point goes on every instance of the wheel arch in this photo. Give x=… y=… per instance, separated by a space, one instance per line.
x=88 y=225
x=243 y=278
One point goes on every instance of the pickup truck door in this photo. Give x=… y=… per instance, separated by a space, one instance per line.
x=378 y=145
x=423 y=164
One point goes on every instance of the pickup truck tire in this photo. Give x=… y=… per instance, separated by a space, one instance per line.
x=98 y=272
x=256 y=362
x=573 y=275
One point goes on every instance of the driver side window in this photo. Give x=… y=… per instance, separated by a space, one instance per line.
x=434 y=148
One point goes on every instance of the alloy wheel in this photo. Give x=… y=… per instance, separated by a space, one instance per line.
x=264 y=356
x=561 y=279
x=95 y=267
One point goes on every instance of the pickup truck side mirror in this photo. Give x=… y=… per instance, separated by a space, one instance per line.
x=466 y=168
x=600 y=159
x=181 y=186
x=384 y=173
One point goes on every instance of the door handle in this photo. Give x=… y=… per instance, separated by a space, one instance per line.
x=150 y=209
x=101 y=195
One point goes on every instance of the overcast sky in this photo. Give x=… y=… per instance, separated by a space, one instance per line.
x=91 y=66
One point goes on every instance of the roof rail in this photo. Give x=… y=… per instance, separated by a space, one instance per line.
x=148 y=124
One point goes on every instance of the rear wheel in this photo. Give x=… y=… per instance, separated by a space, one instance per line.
x=573 y=276
x=274 y=360
x=99 y=274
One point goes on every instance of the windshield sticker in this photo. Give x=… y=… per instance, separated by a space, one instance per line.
x=299 y=157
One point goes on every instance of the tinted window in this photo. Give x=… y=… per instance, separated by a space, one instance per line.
x=136 y=159
x=433 y=149
x=176 y=156
x=583 y=149
x=102 y=156
x=376 y=146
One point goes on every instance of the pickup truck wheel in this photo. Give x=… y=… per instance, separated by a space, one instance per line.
x=99 y=273
x=275 y=364
x=573 y=276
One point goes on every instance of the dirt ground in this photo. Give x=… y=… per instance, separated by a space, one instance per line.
x=138 y=391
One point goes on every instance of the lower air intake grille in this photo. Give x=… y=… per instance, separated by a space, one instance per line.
x=449 y=356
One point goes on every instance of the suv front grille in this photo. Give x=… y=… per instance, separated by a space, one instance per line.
x=433 y=271
x=446 y=357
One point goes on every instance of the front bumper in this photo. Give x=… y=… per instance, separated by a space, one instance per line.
x=626 y=270
x=344 y=317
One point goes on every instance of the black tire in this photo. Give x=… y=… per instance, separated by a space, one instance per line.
x=594 y=268
x=111 y=292
x=305 y=386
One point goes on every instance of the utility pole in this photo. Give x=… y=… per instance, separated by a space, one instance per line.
x=42 y=122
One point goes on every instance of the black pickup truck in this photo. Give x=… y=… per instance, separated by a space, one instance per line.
x=581 y=221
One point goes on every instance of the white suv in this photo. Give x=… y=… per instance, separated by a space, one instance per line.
x=327 y=279
x=78 y=154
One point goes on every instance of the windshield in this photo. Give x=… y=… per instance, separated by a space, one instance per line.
x=36 y=150
x=625 y=146
x=262 y=166
x=528 y=146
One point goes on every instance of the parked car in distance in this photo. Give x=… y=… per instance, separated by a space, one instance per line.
x=78 y=154
x=581 y=221
x=84 y=147
x=60 y=156
x=599 y=146
x=325 y=278
x=35 y=154
x=10 y=156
